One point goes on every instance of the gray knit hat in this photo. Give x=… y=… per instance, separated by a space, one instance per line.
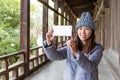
x=86 y=20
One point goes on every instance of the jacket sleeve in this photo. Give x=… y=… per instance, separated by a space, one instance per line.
x=53 y=53
x=90 y=63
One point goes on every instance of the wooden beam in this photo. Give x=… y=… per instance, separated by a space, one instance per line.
x=86 y=8
x=79 y=2
x=84 y=5
x=98 y=11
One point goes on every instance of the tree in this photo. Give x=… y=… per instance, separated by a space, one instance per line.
x=10 y=13
x=9 y=26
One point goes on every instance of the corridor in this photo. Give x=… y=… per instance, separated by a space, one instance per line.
x=36 y=17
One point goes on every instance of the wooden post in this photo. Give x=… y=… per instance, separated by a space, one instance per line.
x=65 y=19
x=99 y=30
x=117 y=25
x=112 y=25
x=25 y=31
x=62 y=22
x=69 y=18
x=107 y=28
x=45 y=19
x=102 y=29
x=56 y=19
x=5 y=66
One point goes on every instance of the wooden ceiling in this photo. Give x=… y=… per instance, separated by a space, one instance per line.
x=79 y=6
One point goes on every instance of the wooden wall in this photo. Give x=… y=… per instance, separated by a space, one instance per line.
x=107 y=19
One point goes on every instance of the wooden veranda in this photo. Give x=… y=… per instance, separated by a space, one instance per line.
x=106 y=14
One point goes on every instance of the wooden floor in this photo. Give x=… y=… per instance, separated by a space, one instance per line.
x=54 y=71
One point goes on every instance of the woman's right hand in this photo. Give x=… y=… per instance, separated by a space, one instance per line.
x=49 y=37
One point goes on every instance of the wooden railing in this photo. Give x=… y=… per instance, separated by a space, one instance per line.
x=37 y=59
x=13 y=71
x=16 y=70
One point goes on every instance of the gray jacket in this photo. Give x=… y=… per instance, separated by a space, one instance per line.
x=83 y=67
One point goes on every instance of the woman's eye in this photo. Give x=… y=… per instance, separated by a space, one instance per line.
x=87 y=28
x=80 y=28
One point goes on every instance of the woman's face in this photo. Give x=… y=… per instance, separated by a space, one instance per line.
x=84 y=33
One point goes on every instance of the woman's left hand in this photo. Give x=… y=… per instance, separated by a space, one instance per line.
x=73 y=46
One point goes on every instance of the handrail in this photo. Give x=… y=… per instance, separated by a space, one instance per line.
x=12 y=54
x=35 y=48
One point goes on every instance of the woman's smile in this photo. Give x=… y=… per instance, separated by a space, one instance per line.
x=84 y=33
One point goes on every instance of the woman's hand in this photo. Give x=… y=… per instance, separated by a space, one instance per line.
x=73 y=46
x=49 y=37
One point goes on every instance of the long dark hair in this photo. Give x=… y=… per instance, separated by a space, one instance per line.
x=89 y=45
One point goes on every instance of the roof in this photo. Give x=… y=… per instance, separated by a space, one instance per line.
x=79 y=6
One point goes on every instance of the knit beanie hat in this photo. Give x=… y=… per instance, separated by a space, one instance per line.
x=86 y=20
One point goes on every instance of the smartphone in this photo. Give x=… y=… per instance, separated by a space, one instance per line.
x=62 y=30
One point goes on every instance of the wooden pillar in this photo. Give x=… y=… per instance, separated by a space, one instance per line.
x=65 y=16
x=112 y=24
x=74 y=27
x=109 y=32
x=55 y=14
x=107 y=28
x=118 y=28
x=45 y=20
x=115 y=26
x=56 y=19
x=96 y=31
x=102 y=29
x=99 y=30
x=107 y=23
x=25 y=31
x=62 y=22
x=69 y=18
x=65 y=19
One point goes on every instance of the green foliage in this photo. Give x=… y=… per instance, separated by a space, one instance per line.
x=3 y=34
x=9 y=46
x=9 y=13
x=32 y=42
x=9 y=26
x=9 y=43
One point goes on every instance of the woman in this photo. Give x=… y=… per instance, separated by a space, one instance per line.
x=82 y=56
